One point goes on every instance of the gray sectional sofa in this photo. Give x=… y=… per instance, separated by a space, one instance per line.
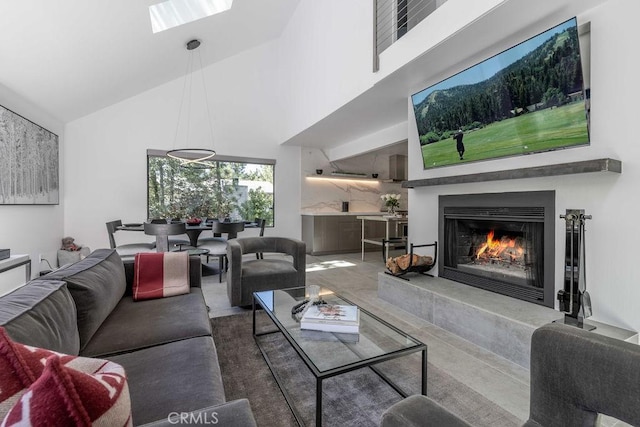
x=165 y=345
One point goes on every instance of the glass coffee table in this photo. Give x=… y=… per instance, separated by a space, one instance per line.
x=376 y=342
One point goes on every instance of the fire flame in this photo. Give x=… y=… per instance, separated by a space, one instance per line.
x=494 y=248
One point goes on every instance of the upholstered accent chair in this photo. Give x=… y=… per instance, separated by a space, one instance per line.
x=575 y=375
x=130 y=249
x=282 y=267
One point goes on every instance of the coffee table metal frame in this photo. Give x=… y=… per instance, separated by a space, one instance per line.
x=320 y=376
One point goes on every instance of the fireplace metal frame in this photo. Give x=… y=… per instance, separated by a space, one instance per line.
x=492 y=206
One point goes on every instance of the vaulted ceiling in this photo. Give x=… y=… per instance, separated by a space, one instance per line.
x=73 y=57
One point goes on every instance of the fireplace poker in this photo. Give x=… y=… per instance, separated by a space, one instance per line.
x=579 y=301
x=585 y=299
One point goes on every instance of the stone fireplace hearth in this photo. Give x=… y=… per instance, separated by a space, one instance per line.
x=500 y=324
x=500 y=242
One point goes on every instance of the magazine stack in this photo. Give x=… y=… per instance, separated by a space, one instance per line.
x=332 y=318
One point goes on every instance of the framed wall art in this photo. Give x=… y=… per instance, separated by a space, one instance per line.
x=29 y=166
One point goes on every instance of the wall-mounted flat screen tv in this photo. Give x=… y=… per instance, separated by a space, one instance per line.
x=528 y=99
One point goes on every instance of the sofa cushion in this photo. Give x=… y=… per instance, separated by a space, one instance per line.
x=271 y=268
x=96 y=284
x=181 y=376
x=41 y=313
x=264 y=274
x=151 y=322
x=159 y=275
x=66 y=396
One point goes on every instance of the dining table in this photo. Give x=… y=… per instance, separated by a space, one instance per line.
x=193 y=231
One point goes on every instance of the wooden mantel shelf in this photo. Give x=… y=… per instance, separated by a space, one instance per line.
x=586 y=166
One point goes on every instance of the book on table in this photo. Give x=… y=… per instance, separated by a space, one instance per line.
x=331 y=318
x=312 y=335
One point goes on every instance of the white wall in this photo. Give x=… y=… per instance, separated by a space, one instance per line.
x=31 y=229
x=367 y=143
x=326 y=59
x=327 y=195
x=106 y=151
x=435 y=29
x=326 y=54
x=612 y=234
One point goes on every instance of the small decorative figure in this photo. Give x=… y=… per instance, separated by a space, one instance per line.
x=68 y=245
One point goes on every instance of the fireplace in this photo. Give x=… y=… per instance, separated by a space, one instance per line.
x=501 y=242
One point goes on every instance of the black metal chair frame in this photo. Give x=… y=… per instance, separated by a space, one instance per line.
x=112 y=227
x=420 y=269
x=260 y=223
x=231 y=229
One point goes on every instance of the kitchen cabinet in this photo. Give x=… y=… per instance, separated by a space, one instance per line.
x=336 y=233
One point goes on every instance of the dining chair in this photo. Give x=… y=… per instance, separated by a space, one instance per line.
x=217 y=244
x=162 y=233
x=260 y=222
x=179 y=242
x=129 y=249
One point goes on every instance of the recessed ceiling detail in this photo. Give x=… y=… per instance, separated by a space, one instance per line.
x=172 y=13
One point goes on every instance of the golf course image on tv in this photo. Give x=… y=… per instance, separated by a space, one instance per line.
x=527 y=99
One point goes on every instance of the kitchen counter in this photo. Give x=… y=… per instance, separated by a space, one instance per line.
x=337 y=232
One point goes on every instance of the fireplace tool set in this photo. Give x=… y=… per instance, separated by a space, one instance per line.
x=574 y=298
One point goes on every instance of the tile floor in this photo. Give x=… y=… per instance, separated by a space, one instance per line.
x=501 y=381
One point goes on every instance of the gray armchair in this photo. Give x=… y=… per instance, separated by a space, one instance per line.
x=247 y=275
x=575 y=375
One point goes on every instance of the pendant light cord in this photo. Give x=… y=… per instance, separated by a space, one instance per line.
x=187 y=73
x=206 y=100
x=197 y=159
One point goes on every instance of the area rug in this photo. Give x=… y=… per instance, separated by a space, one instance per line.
x=357 y=398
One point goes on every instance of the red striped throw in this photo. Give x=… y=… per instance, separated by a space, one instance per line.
x=159 y=275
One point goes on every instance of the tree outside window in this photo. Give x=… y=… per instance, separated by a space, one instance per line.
x=227 y=191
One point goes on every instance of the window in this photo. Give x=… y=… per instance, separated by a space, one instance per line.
x=172 y=13
x=235 y=188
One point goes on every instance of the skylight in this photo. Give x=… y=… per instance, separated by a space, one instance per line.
x=172 y=13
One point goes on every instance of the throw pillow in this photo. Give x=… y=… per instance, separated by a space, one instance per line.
x=158 y=275
x=65 y=396
x=21 y=366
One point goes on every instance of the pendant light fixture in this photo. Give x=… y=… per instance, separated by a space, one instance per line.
x=194 y=158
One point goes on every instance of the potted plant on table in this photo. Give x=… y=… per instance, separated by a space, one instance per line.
x=392 y=202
